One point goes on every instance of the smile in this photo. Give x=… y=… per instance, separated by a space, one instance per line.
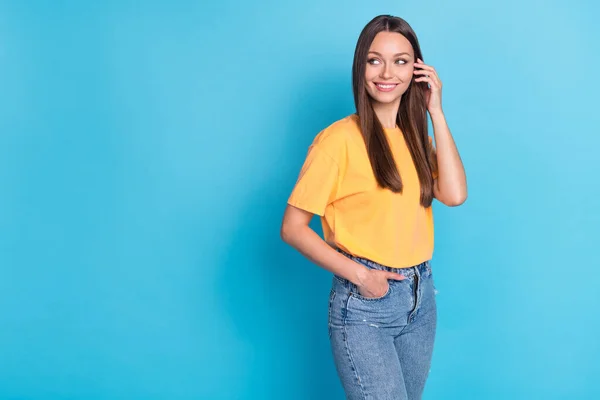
x=386 y=87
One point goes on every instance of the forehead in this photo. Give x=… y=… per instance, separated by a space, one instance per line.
x=390 y=43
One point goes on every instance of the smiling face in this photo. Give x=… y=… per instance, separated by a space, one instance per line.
x=389 y=69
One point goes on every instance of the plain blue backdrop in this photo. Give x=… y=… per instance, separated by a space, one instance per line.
x=147 y=150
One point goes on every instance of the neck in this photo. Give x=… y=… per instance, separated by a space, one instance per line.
x=387 y=113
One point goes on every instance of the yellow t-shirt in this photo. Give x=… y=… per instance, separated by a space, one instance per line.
x=337 y=183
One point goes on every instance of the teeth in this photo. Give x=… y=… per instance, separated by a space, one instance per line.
x=386 y=86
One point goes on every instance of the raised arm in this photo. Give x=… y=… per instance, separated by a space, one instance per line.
x=450 y=187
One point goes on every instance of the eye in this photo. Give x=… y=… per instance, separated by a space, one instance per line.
x=373 y=61
x=401 y=61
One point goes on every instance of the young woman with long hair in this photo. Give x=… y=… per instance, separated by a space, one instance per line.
x=372 y=177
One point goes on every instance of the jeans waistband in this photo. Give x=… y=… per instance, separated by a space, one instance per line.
x=408 y=272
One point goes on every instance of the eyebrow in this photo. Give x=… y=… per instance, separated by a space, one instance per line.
x=395 y=55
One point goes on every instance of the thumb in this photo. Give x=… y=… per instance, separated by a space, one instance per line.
x=395 y=276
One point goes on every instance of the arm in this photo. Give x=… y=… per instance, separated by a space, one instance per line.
x=296 y=232
x=450 y=187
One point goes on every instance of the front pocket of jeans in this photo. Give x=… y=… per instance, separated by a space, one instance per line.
x=340 y=279
x=363 y=298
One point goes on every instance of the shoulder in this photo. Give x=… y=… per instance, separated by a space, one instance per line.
x=336 y=136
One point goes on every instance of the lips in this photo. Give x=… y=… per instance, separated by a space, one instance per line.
x=386 y=87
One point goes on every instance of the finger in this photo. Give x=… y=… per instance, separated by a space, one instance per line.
x=395 y=276
x=427 y=72
x=420 y=72
x=430 y=81
x=419 y=61
x=430 y=71
x=424 y=66
x=427 y=79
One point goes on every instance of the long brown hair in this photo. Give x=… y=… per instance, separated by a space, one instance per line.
x=411 y=119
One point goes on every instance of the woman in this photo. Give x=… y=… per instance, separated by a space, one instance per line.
x=371 y=177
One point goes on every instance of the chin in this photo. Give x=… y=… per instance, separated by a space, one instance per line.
x=389 y=99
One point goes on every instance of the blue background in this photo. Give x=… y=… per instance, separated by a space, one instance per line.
x=147 y=150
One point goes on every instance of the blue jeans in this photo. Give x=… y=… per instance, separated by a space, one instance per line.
x=382 y=347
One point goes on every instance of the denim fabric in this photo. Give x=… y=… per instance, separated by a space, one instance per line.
x=382 y=347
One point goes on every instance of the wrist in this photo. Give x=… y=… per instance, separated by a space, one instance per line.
x=360 y=275
x=436 y=112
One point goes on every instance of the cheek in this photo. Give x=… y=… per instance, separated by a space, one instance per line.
x=371 y=73
x=408 y=74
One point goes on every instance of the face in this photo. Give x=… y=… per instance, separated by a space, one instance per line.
x=389 y=68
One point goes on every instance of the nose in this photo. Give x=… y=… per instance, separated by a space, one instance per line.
x=386 y=72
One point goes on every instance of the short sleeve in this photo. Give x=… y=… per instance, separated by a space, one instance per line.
x=432 y=159
x=317 y=183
